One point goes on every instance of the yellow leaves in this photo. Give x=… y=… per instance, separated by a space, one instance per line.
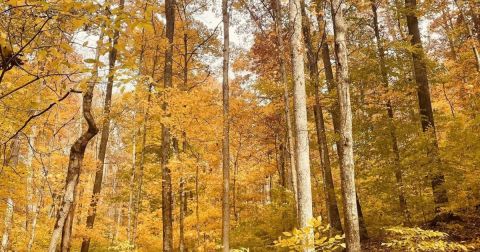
x=16 y=2
x=417 y=239
x=300 y=239
x=78 y=22
x=7 y=50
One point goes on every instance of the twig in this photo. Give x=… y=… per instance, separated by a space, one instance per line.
x=41 y=113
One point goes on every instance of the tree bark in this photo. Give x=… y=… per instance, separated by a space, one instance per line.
x=183 y=202
x=347 y=168
x=167 y=195
x=226 y=129
x=329 y=188
x=305 y=208
x=389 y=108
x=290 y=143
x=8 y=225
x=133 y=177
x=32 y=207
x=97 y=185
x=77 y=153
x=425 y=104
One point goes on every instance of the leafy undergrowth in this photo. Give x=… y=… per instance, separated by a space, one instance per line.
x=449 y=232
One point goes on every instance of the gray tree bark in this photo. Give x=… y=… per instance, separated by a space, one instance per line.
x=286 y=99
x=329 y=188
x=8 y=225
x=226 y=129
x=347 y=168
x=305 y=209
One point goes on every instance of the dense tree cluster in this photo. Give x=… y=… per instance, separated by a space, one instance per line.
x=196 y=125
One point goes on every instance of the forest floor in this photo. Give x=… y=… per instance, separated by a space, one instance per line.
x=463 y=227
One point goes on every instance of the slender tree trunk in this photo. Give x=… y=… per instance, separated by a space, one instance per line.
x=347 y=170
x=167 y=196
x=36 y=213
x=305 y=208
x=281 y=163
x=32 y=207
x=235 y=176
x=97 y=185
x=182 y=214
x=11 y=160
x=77 y=152
x=197 y=209
x=183 y=198
x=389 y=107
x=425 y=104
x=268 y=190
x=290 y=143
x=133 y=176
x=226 y=130
x=143 y=144
x=8 y=225
x=335 y=113
x=65 y=243
x=329 y=189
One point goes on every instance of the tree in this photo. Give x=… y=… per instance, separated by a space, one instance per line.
x=167 y=197
x=277 y=10
x=425 y=104
x=347 y=167
x=97 y=185
x=226 y=130
x=77 y=152
x=302 y=143
x=329 y=189
x=390 y=113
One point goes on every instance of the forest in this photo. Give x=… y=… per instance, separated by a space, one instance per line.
x=239 y=125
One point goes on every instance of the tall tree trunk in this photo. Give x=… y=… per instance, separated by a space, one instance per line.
x=167 y=197
x=335 y=113
x=329 y=189
x=8 y=225
x=77 y=153
x=235 y=176
x=226 y=129
x=36 y=213
x=197 y=208
x=143 y=144
x=424 y=102
x=280 y=149
x=389 y=107
x=290 y=143
x=133 y=177
x=32 y=206
x=305 y=208
x=347 y=170
x=183 y=200
x=97 y=185
x=11 y=160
